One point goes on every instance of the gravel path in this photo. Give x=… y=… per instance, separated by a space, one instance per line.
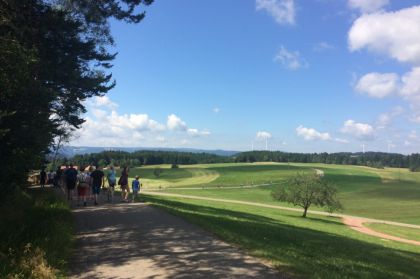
x=139 y=241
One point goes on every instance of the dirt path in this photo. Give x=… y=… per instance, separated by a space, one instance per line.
x=139 y=241
x=353 y=222
x=357 y=224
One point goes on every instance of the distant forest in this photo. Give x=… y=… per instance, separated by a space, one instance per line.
x=139 y=158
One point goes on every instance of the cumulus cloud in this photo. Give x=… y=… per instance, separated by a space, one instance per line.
x=378 y=85
x=283 y=11
x=175 y=123
x=311 y=134
x=360 y=131
x=394 y=34
x=290 y=59
x=367 y=6
x=106 y=127
x=262 y=135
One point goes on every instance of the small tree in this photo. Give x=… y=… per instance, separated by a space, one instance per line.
x=306 y=189
x=157 y=172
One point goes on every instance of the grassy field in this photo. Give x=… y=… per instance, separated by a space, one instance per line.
x=316 y=247
x=408 y=233
x=389 y=194
x=36 y=233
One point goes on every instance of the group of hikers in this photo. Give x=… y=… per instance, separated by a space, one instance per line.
x=89 y=181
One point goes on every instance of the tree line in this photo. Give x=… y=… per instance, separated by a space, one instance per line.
x=139 y=158
x=370 y=159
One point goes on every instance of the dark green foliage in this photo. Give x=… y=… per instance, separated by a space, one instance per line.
x=174 y=166
x=306 y=189
x=53 y=56
x=35 y=220
x=138 y=158
x=371 y=159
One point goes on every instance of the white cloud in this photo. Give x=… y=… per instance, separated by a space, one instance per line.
x=175 y=123
x=196 y=133
x=385 y=119
x=367 y=6
x=262 y=135
x=378 y=85
x=290 y=59
x=283 y=11
x=341 y=140
x=360 y=131
x=311 y=134
x=103 y=101
x=106 y=127
x=391 y=33
x=411 y=88
x=322 y=46
x=216 y=110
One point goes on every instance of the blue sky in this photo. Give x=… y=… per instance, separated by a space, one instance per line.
x=291 y=75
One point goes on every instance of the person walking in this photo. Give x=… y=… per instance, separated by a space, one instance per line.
x=84 y=182
x=71 y=180
x=57 y=177
x=42 y=178
x=135 y=186
x=112 y=179
x=123 y=182
x=97 y=181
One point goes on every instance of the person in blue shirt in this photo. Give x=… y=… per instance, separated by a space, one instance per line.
x=135 y=186
x=112 y=180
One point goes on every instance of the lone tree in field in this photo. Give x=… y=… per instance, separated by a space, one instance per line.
x=306 y=189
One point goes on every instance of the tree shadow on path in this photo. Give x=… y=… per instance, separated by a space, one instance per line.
x=139 y=241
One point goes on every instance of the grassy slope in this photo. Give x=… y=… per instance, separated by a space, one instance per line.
x=387 y=194
x=40 y=218
x=317 y=247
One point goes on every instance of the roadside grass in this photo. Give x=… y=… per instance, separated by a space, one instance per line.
x=315 y=247
x=36 y=232
x=407 y=233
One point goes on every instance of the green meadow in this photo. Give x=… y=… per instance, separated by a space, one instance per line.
x=315 y=247
x=389 y=194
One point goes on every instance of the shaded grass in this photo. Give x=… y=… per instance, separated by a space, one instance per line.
x=314 y=247
x=36 y=229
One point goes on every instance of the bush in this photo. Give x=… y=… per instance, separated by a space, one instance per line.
x=174 y=166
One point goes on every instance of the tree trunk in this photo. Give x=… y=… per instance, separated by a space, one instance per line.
x=305 y=209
